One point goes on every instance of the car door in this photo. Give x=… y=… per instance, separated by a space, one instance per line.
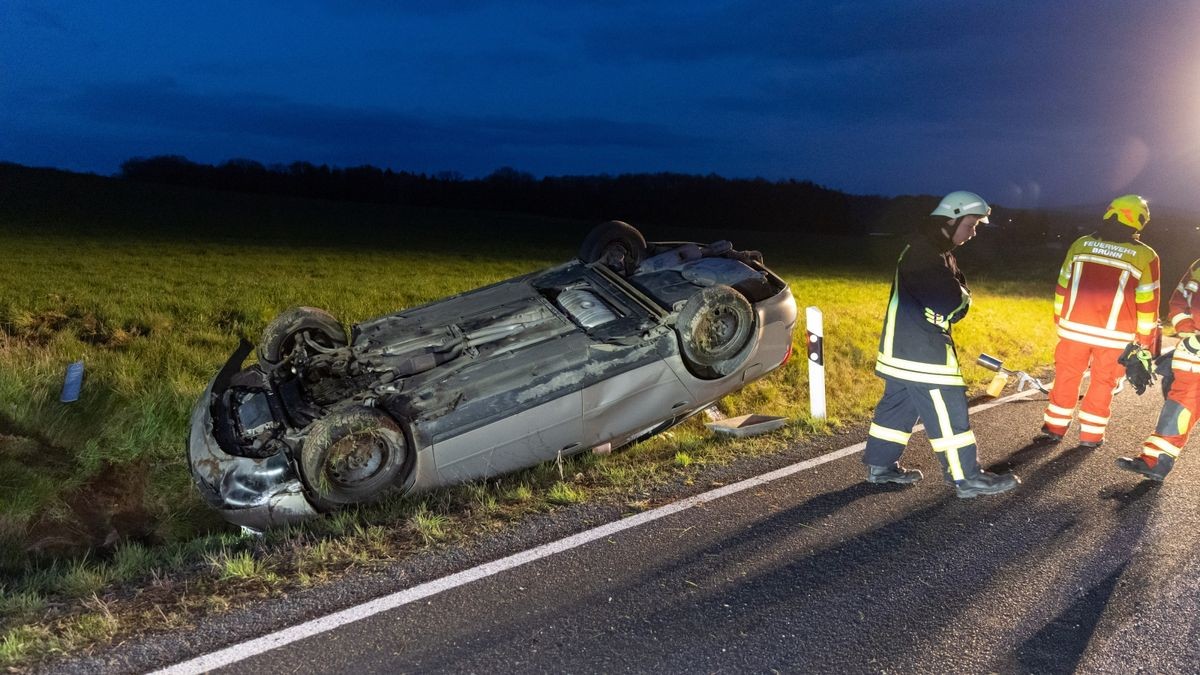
x=533 y=410
x=621 y=407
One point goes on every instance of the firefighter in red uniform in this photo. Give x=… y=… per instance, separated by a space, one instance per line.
x=1107 y=298
x=1178 y=414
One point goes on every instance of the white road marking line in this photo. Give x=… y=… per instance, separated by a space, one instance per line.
x=245 y=650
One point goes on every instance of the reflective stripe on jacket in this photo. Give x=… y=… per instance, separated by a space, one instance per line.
x=1107 y=293
x=928 y=294
x=1185 y=301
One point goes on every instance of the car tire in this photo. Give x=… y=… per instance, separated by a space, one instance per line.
x=616 y=244
x=354 y=455
x=716 y=331
x=279 y=337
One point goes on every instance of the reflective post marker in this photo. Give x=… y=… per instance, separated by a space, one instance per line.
x=815 y=338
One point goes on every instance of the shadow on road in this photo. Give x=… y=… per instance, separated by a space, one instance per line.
x=1061 y=643
x=1126 y=496
x=1057 y=465
x=861 y=578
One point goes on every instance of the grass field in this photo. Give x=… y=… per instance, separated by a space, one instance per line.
x=154 y=311
x=153 y=322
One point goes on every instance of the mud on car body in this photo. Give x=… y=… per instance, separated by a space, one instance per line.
x=619 y=344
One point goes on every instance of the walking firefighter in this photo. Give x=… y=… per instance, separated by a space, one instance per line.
x=918 y=362
x=1182 y=386
x=1106 y=300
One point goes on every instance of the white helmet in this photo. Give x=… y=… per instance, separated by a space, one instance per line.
x=961 y=203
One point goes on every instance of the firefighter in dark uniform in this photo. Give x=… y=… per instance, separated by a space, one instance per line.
x=917 y=359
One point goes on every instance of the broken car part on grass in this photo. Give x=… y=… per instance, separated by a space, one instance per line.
x=610 y=348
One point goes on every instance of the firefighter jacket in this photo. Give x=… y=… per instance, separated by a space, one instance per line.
x=929 y=294
x=1185 y=302
x=1107 y=293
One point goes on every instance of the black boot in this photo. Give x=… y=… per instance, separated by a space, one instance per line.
x=1047 y=436
x=985 y=483
x=893 y=473
x=1138 y=465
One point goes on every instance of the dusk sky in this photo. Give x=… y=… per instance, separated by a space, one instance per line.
x=1029 y=103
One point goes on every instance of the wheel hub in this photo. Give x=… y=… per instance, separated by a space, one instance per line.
x=357 y=458
x=717 y=330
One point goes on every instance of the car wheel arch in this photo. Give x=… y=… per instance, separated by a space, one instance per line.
x=279 y=336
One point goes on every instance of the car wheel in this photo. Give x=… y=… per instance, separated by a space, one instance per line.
x=616 y=244
x=353 y=455
x=279 y=337
x=715 y=328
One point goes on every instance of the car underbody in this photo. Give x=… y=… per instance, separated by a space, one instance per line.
x=587 y=354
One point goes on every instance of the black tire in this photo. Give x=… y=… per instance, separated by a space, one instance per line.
x=616 y=244
x=716 y=331
x=279 y=337
x=354 y=455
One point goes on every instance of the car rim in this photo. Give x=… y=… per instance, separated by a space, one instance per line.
x=356 y=459
x=615 y=254
x=717 y=330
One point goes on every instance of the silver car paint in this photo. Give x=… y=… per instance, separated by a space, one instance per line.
x=218 y=474
x=614 y=409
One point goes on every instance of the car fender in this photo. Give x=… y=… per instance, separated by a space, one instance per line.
x=255 y=493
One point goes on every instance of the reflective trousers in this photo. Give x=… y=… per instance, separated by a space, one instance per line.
x=1178 y=414
x=1071 y=359
x=944 y=413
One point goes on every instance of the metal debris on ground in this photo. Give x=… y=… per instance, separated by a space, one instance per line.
x=747 y=425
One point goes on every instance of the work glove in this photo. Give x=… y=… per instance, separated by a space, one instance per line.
x=1139 y=367
x=1190 y=342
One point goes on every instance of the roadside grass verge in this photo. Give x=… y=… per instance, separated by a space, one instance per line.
x=154 y=318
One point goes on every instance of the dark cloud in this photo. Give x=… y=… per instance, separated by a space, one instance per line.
x=1046 y=73
x=807 y=30
x=1052 y=99
x=163 y=106
x=515 y=62
x=439 y=8
x=38 y=16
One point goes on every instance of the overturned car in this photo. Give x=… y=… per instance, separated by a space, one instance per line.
x=620 y=344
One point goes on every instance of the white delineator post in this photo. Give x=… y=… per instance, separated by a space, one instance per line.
x=815 y=334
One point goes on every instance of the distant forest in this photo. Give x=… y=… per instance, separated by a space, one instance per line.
x=831 y=223
x=669 y=199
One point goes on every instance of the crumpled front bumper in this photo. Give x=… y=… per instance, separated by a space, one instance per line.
x=253 y=493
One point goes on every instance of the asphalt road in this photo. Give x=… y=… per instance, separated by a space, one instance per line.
x=1083 y=568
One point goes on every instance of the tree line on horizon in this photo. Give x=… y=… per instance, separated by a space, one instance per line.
x=672 y=199
x=790 y=208
x=668 y=199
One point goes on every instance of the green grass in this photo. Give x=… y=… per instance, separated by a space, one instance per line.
x=20 y=641
x=179 y=309
x=84 y=579
x=154 y=311
x=481 y=497
x=430 y=527
x=24 y=603
x=240 y=566
x=131 y=561
x=519 y=494
x=154 y=320
x=565 y=494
